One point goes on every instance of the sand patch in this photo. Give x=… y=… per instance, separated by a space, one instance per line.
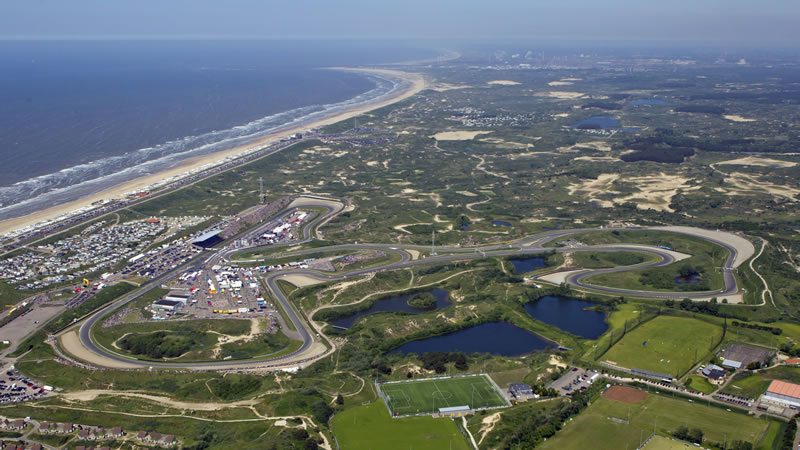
x=735 y=118
x=556 y=361
x=756 y=161
x=559 y=83
x=656 y=192
x=458 y=135
x=503 y=83
x=561 y=115
x=600 y=146
x=591 y=189
x=487 y=425
x=442 y=87
x=750 y=185
x=467 y=193
x=87 y=396
x=561 y=95
x=517 y=156
x=598 y=159
x=300 y=280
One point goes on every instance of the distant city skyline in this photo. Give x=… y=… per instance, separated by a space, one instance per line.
x=677 y=20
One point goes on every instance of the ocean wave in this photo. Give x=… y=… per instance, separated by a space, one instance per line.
x=83 y=179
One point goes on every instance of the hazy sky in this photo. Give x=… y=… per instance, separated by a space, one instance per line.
x=712 y=20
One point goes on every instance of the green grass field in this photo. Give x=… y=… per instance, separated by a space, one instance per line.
x=427 y=396
x=674 y=344
x=752 y=385
x=593 y=428
x=663 y=443
x=371 y=427
x=700 y=384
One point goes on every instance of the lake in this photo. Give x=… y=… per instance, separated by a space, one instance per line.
x=527 y=265
x=500 y=223
x=497 y=338
x=399 y=303
x=604 y=122
x=569 y=314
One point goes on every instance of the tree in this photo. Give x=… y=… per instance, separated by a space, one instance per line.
x=339 y=399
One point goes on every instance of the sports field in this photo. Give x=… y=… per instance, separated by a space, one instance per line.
x=370 y=427
x=427 y=396
x=662 y=443
x=666 y=344
x=611 y=424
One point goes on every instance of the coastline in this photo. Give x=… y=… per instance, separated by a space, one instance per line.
x=415 y=81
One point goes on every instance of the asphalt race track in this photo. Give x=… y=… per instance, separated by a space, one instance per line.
x=528 y=245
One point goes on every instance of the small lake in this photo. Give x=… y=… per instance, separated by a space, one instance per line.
x=569 y=314
x=399 y=303
x=526 y=265
x=499 y=223
x=604 y=122
x=648 y=101
x=497 y=338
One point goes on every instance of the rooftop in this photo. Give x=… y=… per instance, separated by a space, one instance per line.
x=784 y=388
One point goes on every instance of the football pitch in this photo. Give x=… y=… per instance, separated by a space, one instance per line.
x=666 y=344
x=427 y=396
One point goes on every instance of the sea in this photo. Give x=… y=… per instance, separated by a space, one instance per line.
x=77 y=117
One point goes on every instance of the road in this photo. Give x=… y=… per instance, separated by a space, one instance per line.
x=529 y=245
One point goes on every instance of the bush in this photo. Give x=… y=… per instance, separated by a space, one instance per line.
x=424 y=300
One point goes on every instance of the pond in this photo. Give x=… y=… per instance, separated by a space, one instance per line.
x=499 y=223
x=497 y=338
x=526 y=265
x=604 y=122
x=569 y=314
x=398 y=303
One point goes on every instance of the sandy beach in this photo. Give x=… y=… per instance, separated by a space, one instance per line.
x=415 y=81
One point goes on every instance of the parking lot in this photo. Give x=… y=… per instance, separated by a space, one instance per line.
x=15 y=388
x=575 y=380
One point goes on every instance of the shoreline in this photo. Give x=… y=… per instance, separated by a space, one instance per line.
x=415 y=81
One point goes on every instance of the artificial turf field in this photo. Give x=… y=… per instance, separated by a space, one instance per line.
x=370 y=427
x=671 y=345
x=602 y=425
x=427 y=396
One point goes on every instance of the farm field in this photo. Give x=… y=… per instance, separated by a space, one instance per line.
x=666 y=344
x=603 y=424
x=427 y=396
x=371 y=427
